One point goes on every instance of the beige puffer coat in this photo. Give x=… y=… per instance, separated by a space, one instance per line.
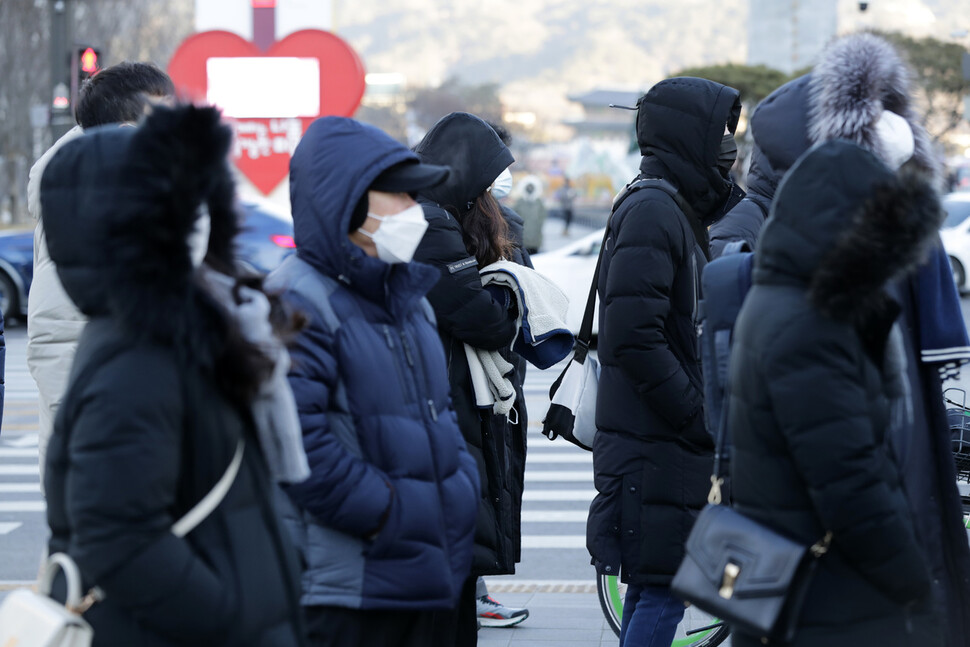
x=54 y=324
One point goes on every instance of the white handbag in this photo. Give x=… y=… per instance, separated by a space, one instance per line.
x=33 y=619
x=572 y=397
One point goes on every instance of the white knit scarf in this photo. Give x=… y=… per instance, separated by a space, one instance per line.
x=273 y=408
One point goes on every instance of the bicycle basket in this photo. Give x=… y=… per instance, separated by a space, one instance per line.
x=958 y=420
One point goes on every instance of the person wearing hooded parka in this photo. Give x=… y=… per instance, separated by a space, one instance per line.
x=165 y=394
x=652 y=455
x=466 y=232
x=384 y=522
x=819 y=395
x=874 y=106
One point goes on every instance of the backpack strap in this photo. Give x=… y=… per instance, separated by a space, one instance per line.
x=586 y=329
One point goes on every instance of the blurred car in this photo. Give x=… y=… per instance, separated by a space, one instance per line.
x=265 y=240
x=16 y=271
x=266 y=237
x=955 y=233
x=571 y=267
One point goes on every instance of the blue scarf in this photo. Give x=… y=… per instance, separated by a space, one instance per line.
x=943 y=334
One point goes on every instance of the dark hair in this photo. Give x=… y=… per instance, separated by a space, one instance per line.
x=502 y=132
x=240 y=366
x=119 y=93
x=485 y=232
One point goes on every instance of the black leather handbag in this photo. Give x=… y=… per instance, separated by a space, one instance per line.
x=741 y=571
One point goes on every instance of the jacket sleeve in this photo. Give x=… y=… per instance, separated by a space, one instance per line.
x=344 y=491
x=463 y=308
x=820 y=402
x=643 y=266
x=121 y=484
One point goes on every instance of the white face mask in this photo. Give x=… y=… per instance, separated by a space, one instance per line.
x=502 y=186
x=399 y=235
x=199 y=237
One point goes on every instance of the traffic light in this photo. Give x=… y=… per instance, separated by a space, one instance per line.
x=87 y=63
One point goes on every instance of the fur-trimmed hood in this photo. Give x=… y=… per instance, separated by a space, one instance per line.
x=119 y=204
x=844 y=225
x=858 y=77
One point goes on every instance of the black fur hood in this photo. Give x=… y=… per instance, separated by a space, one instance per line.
x=857 y=78
x=843 y=225
x=119 y=204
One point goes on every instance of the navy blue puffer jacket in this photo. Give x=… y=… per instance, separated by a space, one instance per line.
x=371 y=387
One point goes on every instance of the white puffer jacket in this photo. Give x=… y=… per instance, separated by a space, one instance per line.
x=54 y=325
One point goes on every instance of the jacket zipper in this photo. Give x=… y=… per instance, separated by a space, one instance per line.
x=406 y=384
x=405 y=342
x=419 y=368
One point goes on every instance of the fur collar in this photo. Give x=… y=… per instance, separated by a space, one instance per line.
x=888 y=236
x=175 y=162
x=857 y=78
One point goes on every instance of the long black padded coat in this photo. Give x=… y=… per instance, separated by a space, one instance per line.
x=819 y=399
x=652 y=456
x=469 y=314
x=147 y=426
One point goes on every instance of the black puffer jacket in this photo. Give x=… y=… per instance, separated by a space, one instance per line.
x=779 y=127
x=818 y=388
x=652 y=457
x=469 y=314
x=856 y=78
x=146 y=428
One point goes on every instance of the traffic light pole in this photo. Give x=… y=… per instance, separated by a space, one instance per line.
x=61 y=46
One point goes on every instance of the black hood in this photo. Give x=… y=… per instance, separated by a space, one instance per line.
x=779 y=127
x=844 y=225
x=475 y=154
x=680 y=123
x=762 y=180
x=119 y=204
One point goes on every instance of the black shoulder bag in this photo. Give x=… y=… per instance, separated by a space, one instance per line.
x=741 y=571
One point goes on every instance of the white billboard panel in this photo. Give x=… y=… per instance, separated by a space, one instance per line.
x=264 y=87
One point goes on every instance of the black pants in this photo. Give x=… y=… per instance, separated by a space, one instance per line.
x=459 y=627
x=341 y=627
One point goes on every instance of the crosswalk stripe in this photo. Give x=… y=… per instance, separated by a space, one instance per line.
x=20 y=487
x=26 y=440
x=553 y=516
x=557 y=457
x=555 y=475
x=558 y=495
x=7 y=527
x=22 y=506
x=17 y=453
x=19 y=470
x=554 y=541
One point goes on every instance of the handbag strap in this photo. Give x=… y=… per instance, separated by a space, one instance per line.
x=586 y=328
x=186 y=524
x=213 y=498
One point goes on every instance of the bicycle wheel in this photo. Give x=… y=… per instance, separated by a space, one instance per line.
x=697 y=629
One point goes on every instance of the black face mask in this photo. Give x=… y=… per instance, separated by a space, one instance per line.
x=727 y=154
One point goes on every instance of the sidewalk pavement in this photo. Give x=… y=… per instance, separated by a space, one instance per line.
x=556 y=617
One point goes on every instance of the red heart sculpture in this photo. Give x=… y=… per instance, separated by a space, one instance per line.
x=263 y=145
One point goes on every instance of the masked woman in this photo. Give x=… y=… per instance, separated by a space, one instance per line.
x=466 y=232
x=178 y=383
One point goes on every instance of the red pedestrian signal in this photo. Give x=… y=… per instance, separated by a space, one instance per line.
x=89 y=61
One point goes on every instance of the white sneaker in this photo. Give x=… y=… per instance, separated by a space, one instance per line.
x=495 y=614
